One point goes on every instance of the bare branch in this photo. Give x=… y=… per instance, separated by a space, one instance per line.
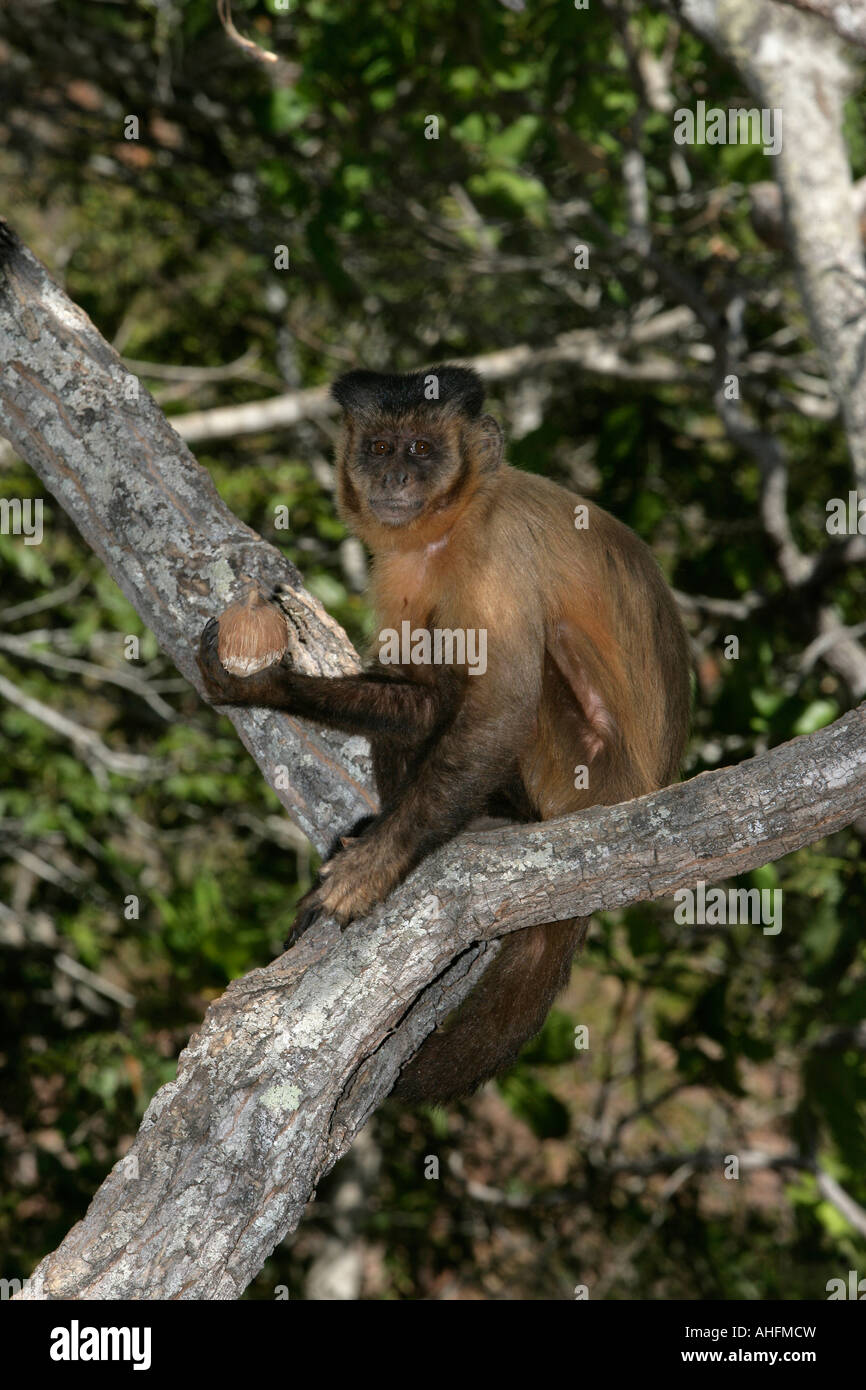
x=242 y=366
x=54 y=661
x=834 y=1192
x=829 y=639
x=262 y=55
x=598 y=353
x=54 y=599
x=87 y=742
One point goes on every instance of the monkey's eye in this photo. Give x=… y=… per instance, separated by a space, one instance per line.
x=379 y=446
x=420 y=447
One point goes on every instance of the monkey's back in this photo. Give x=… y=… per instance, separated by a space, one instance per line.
x=615 y=694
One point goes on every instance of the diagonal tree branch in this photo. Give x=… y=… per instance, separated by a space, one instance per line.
x=105 y=450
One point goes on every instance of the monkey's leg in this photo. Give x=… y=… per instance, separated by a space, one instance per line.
x=450 y=786
x=369 y=704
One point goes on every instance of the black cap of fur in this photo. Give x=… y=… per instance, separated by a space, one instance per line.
x=460 y=390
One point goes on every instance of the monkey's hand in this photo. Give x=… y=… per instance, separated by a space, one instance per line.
x=350 y=885
x=223 y=688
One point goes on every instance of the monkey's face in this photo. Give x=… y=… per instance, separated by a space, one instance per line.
x=400 y=471
x=413 y=450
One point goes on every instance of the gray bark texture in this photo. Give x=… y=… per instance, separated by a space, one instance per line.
x=290 y=1063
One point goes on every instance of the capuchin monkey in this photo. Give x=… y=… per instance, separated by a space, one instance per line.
x=587 y=667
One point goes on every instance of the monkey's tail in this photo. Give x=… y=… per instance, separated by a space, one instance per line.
x=507 y=1008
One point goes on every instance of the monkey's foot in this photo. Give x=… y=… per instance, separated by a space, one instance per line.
x=350 y=885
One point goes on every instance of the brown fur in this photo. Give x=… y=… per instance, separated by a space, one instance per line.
x=586 y=665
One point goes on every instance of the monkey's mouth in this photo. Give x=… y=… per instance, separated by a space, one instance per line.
x=395 y=511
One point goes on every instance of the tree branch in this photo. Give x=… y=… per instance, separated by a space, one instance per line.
x=602 y=354
x=105 y=450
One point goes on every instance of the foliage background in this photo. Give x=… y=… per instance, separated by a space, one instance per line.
x=599 y=1167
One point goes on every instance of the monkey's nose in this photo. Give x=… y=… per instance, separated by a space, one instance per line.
x=396 y=479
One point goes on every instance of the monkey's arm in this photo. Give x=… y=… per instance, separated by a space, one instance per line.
x=475 y=755
x=372 y=704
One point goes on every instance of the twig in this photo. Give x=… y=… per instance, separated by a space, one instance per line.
x=88 y=743
x=46 y=601
x=53 y=661
x=835 y=1193
x=224 y=10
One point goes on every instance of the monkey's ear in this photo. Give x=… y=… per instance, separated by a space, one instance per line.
x=489 y=443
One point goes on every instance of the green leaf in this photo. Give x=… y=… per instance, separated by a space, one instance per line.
x=816 y=716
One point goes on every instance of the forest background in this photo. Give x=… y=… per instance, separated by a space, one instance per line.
x=556 y=128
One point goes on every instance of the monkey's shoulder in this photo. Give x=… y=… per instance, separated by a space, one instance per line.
x=540 y=534
x=530 y=499
x=571 y=533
